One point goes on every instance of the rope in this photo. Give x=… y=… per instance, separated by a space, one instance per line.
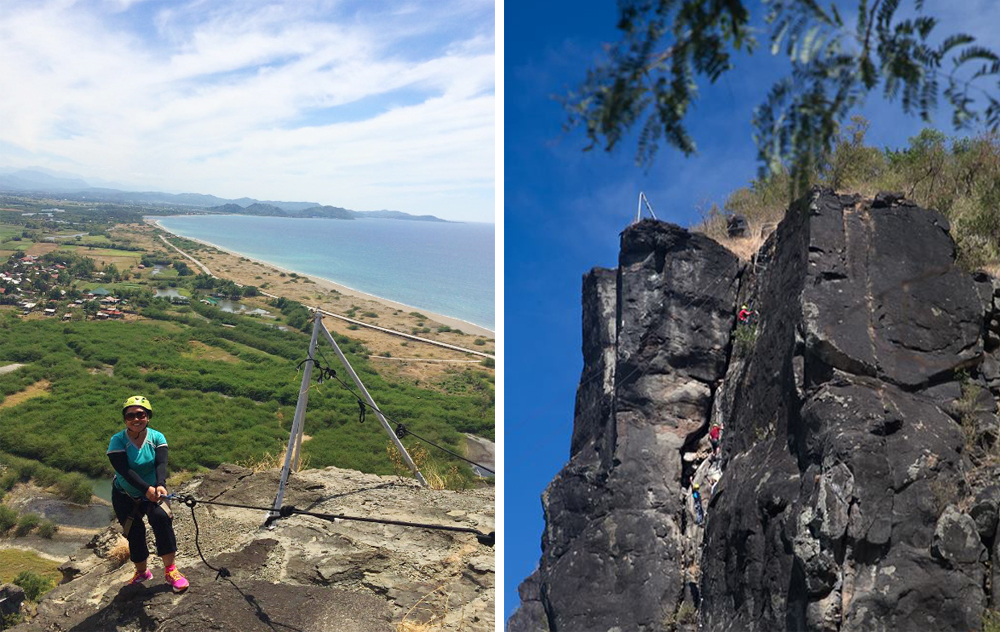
x=325 y=372
x=402 y=431
x=222 y=571
x=219 y=572
x=484 y=538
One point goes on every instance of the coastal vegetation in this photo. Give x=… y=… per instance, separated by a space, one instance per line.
x=211 y=411
x=224 y=386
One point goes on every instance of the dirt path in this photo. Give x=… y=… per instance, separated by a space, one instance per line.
x=196 y=262
x=10 y=367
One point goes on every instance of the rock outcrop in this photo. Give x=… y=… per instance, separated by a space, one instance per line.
x=304 y=573
x=858 y=404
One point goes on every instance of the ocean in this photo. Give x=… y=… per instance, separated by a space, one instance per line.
x=447 y=268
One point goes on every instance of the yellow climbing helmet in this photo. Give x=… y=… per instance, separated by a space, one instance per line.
x=138 y=400
x=696 y=486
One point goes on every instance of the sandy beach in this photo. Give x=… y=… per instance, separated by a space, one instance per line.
x=327 y=284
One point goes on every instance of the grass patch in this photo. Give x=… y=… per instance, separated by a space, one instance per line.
x=438 y=474
x=13 y=562
x=38 y=389
x=202 y=351
x=991 y=621
x=960 y=177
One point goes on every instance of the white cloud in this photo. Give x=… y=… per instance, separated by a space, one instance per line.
x=242 y=99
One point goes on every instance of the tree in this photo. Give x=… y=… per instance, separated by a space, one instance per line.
x=666 y=44
x=111 y=272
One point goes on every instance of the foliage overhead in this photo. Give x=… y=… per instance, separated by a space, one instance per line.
x=650 y=75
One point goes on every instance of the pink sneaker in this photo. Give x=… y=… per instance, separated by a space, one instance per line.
x=140 y=577
x=175 y=579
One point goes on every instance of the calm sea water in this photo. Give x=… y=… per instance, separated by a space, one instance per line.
x=440 y=267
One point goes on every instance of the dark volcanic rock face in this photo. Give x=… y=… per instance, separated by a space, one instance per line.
x=656 y=336
x=856 y=487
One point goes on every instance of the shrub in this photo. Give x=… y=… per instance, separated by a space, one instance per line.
x=47 y=529
x=75 y=488
x=489 y=363
x=479 y=342
x=8 y=518
x=744 y=337
x=370 y=315
x=34 y=585
x=10 y=620
x=26 y=523
x=9 y=479
x=353 y=327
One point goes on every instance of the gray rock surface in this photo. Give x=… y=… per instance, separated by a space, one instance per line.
x=858 y=471
x=305 y=573
x=11 y=598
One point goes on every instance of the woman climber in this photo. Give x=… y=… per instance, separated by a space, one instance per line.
x=139 y=455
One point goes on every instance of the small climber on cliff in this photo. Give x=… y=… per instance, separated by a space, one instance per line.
x=746 y=314
x=714 y=434
x=699 y=512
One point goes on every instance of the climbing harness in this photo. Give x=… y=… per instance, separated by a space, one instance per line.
x=132 y=517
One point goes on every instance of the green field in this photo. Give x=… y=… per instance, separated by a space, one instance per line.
x=210 y=409
x=15 y=561
x=163 y=275
x=100 y=252
x=111 y=287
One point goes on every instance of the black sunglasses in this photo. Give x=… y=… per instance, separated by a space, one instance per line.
x=139 y=415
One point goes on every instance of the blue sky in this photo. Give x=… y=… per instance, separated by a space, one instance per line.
x=367 y=104
x=564 y=210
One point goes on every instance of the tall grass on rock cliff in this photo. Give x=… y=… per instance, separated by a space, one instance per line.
x=959 y=177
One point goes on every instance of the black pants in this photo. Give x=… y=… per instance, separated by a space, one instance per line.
x=163 y=528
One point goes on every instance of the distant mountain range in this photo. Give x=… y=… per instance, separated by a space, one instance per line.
x=71 y=187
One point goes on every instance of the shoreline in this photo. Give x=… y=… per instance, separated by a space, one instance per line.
x=327 y=284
